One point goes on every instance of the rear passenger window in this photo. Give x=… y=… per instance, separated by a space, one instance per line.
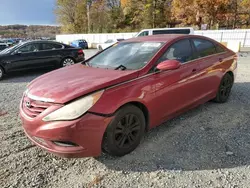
x=57 y=46
x=219 y=49
x=181 y=51
x=204 y=47
x=50 y=46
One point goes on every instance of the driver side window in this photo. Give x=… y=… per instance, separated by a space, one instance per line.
x=144 y=33
x=29 y=48
x=180 y=51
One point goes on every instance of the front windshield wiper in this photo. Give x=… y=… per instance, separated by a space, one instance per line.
x=121 y=67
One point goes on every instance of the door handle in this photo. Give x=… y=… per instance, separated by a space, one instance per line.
x=194 y=70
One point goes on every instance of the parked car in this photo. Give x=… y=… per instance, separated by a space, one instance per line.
x=9 y=42
x=161 y=31
x=3 y=46
x=80 y=44
x=110 y=100
x=108 y=43
x=37 y=54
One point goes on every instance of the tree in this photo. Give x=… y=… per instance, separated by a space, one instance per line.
x=68 y=15
x=115 y=17
x=244 y=11
x=74 y=15
x=185 y=11
x=197 y=12
x=156 y=13
x=88 y=16
x=211 y=9
x=133 y=18
x=98 y=16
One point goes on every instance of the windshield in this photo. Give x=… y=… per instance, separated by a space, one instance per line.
x=132 y=55
x=10 y=49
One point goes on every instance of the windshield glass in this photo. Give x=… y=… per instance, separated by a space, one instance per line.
x=132 y=55
x=10 y=49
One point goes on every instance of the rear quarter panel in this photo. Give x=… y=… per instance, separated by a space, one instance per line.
x=73 y=53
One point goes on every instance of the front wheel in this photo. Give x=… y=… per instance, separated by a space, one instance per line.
x=224 y=89
x=125 y=131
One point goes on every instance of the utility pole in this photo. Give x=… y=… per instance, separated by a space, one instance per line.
x=235 y=13
x=154 y=13
x=89 y=2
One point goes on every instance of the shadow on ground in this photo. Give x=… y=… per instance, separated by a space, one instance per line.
x=211 y=136
x=24 y=76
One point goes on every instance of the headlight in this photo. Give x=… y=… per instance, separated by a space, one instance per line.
x=74 y=109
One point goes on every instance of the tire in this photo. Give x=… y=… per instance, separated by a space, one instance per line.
x=125 y=131
x=224 y=89
x=67 y=62
x=1 y=73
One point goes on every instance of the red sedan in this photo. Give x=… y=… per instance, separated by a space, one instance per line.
x=109 y=101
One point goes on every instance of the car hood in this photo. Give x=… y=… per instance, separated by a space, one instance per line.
x=66 y=84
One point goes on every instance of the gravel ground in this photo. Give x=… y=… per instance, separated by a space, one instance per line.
x=206 y=147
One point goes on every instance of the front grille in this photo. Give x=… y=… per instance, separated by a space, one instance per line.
x=33 y=108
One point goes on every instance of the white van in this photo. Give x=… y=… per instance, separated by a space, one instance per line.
x=160 y=31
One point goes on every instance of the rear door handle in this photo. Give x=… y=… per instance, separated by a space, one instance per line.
x=221 y=60
x=194 y=70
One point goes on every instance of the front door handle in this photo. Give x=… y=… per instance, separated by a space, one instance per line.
x=220 y=60
x=194 y=70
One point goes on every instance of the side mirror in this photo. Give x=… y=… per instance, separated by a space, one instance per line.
x=168 y=65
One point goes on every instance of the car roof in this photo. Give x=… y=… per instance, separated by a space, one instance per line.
x=157 y=38
x=166 y=38
x=174 y=28
x=41 y=41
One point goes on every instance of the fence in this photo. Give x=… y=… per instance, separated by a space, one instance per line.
x=237 y=35
x=93 y=38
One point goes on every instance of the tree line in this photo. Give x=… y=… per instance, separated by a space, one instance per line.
x=32 y=31
x=100 y=16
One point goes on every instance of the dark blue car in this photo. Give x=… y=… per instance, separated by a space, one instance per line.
x=80 y=44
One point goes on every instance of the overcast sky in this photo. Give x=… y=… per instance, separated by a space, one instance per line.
x=28 y=12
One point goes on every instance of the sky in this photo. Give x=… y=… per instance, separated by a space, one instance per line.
x=28 y=12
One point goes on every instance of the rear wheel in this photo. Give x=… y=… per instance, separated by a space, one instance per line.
x=224 y=89
x=125 y=131
x=1 y=73
x=67 y=62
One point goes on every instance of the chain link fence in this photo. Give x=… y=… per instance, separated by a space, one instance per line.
x=239 y=35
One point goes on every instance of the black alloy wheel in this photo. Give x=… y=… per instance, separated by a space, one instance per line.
x=224 y=89
x=125 y=131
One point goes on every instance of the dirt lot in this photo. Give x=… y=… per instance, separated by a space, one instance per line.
x=206 y=147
